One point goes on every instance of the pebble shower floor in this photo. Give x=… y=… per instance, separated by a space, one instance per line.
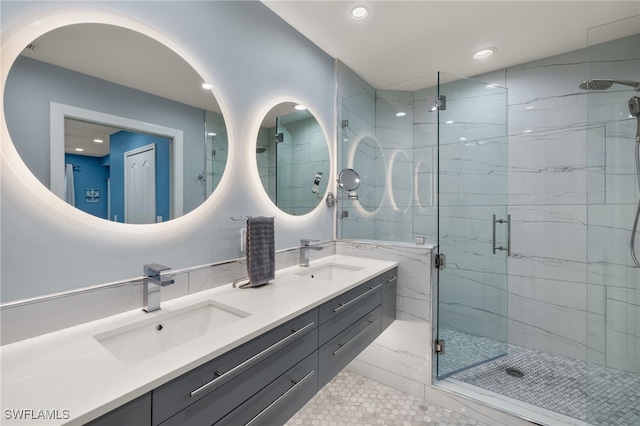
x=352 y=400
x=599 y=395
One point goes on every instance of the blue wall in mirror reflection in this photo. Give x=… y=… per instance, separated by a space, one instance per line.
x=94 y=172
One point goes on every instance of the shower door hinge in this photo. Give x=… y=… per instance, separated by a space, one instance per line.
x=439 y=346
x=441 y=102
x=441 y=261
x=345 y=123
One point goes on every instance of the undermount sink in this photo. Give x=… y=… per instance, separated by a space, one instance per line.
x=329 y=271
x=142 y=340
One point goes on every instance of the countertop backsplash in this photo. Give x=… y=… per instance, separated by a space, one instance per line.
x=33 y=317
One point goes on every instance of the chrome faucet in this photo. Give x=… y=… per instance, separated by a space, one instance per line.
x=304 y=251
x=153 y=281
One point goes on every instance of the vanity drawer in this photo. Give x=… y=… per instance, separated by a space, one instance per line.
x=342 y=349
x=389 y=291
x=351 y=313
x=210 y=378
x=276 y=403
x=217 y=404
x=346 y=300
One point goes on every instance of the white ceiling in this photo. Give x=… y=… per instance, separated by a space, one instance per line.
x=403 y=41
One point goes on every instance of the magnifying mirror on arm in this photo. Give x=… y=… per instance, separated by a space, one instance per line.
x=349 y=182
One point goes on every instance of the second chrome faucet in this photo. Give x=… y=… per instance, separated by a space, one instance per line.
x=305 y=246
x=153 y=281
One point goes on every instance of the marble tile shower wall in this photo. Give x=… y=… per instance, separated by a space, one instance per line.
x=572 y=195
x=614 y=282
x=21 y=321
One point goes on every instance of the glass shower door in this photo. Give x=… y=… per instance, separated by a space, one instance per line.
x=473 y=224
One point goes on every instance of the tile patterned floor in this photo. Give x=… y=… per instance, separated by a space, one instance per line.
x=352 y=400
x=593 y=393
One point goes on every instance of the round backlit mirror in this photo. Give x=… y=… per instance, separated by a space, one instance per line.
x=124 y=136
x=293 y=158
x=348 y=180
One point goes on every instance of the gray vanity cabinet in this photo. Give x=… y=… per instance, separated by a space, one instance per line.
x=136 y=412
x=338 y=352
x=350 y=322
x=276 y=403
x=268 y=379
x=208 y=393
x=342 y=311
x=389 y=290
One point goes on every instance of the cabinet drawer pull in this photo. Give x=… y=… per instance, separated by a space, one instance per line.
x=271 y=406
x=357 y=299
x=352 y=339
x=251 y=360
x=392 y=279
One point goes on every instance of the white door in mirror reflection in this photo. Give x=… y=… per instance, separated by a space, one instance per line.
x=140 y=184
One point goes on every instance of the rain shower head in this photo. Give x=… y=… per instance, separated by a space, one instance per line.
x=604 y=84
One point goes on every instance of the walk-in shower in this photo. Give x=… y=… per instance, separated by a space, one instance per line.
x=634 y=110
x=520 y=156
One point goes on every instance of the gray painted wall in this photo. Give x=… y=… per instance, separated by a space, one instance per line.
x=253 y=59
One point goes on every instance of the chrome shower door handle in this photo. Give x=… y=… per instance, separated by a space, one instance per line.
x=493 y=238
x=508 y=235
x=508 y=222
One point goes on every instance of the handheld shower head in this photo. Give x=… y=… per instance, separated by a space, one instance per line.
x=605 y=83
x=634 y=110
x=634 y=106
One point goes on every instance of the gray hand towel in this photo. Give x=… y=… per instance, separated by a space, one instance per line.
x=261 y=263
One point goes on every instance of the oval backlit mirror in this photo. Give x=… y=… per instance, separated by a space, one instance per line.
x=293 y=158
x=115 y=123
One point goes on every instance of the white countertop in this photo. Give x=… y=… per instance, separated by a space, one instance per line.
x=69 y=371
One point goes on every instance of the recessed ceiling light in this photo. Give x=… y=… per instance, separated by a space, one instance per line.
x=359 y=12
x=449 y=122
x=300 y=107
x=529 y=107
x=401 y=114
x=528 y=131
x=79 y=149
x=490 y=86
x=207 y=86
x=211 y=134
x=483 y=53
x=98 y=140
x=463 y=138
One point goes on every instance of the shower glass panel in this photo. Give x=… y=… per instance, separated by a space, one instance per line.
x=361 y=151
x=284 y=153
x=613 y=279
x=473 y=227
